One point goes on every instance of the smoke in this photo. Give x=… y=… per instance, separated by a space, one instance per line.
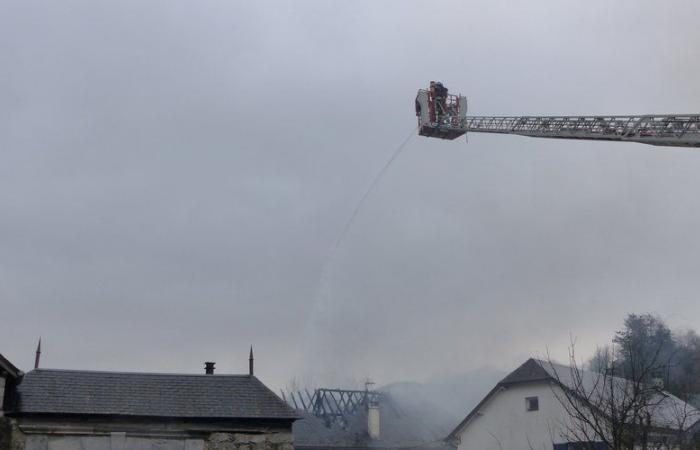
x=173 y=174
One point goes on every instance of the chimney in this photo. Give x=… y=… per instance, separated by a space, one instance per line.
x=250 y=362
x=373 y=419
x=38 y=355
x=209 y=367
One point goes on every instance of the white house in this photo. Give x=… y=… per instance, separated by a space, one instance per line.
x=525 y=411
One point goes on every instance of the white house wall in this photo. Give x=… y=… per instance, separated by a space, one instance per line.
x=505 y=424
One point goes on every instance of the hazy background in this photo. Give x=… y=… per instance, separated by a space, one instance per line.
x=173 y=175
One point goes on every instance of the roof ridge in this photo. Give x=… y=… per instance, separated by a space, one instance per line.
x=125 y=372
x=531 y=370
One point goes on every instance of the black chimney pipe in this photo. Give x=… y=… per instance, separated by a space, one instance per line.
x=209 y=367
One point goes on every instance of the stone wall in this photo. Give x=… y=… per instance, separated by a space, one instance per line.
x=243 y=441
x=11 y=438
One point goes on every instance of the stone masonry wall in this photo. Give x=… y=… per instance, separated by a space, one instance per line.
x=242 y=441
x=11 y=438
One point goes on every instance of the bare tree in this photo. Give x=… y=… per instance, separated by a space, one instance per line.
x=600 y=360
x=605 y=409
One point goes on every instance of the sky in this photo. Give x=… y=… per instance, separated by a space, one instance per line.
x=174 y=175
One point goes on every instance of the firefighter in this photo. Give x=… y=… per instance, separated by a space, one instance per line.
x=432 y=113
x=440 y=96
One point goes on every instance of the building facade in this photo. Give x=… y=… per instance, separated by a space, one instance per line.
x=527 y=411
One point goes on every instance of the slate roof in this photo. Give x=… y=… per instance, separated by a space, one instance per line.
x=45 y=391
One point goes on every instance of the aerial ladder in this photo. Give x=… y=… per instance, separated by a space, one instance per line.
x=443 y=115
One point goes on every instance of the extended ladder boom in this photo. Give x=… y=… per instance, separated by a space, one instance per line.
x=445 y=116
x=672 y=130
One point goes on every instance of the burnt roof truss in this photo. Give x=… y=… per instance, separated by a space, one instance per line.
x=334 y=406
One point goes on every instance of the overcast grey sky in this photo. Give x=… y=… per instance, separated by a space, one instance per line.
x=173 y=175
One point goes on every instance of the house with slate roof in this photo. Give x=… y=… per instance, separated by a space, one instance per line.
x=524 y=411
x=48 y=409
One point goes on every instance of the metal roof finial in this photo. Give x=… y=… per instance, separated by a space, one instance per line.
x=38 y=354
x=250 y=362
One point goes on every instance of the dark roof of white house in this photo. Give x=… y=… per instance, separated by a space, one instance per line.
x=48 y=391
x=530 y=370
